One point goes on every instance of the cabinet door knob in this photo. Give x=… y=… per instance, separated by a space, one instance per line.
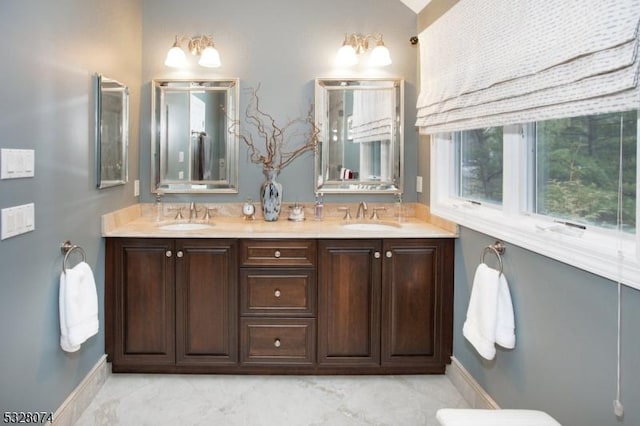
x=168 y=253
x=277 y=254
x=277 y=343
x=277 y=293
x=179 y=253
x=376 y=255
x=389 y=254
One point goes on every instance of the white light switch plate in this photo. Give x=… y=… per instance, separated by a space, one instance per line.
x=418 y=183
x=29 y=157
x=17 y=220
x=16 y=163
x=6 y=164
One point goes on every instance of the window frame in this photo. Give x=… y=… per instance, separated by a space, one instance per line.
x=596 y=250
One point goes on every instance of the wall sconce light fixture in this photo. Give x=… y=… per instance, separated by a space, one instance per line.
x=356 y=44
x=198 y=45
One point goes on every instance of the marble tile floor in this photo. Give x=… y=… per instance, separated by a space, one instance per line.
x=149 y=399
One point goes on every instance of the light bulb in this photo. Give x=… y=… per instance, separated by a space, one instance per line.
x=175 y=57
x=380 y=56
x=346 y=56
x=210 y=58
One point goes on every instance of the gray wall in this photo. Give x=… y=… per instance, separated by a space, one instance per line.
x=565 y=356
x=284 y=45
x=50 y=51
x=564 y=361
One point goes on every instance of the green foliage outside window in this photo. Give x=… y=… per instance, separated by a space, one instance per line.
x=480 y=173
x=577 y=168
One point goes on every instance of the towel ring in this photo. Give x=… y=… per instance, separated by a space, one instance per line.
x=496 y=248
x=67 y=248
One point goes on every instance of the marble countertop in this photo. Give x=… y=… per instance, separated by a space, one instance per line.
x=141 y=220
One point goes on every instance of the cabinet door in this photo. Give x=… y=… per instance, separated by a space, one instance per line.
x=417 y=291
x=349 y=302
x=143 y=301
x=206 y=302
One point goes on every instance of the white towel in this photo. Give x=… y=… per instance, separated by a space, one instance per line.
x=78 y=307
x=490 y=314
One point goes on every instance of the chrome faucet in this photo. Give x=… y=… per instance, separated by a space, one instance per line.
x=193 y=211
x=362 y=210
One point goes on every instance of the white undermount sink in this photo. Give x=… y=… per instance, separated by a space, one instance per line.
x=185 y=226
x=371 y=226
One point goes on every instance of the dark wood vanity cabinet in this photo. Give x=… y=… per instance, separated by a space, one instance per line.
x=170 y=303
x=349 y=281
x=385 y=303
x=140 y=302
x=206 y=302
x=278 y=302
x=417 y=303
x=271 y=306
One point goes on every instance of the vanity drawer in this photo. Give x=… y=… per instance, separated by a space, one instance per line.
x=278 y=253
x=278 y=341
x=277 y=292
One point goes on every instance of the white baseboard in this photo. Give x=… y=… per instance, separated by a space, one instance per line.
x=72 y=408
x=471 y=390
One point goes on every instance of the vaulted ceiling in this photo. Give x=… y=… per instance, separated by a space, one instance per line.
x=416 y=5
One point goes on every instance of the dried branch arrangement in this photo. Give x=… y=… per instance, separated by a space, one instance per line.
x=279 y=149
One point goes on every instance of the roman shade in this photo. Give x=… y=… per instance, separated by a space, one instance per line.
x=373 y=112
x=498 y=62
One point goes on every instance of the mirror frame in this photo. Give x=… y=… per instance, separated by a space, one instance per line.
x=232 y=88
x=322 y=86
x=103 y=85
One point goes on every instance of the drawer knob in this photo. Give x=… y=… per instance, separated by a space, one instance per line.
x=277 y=343
x=277 y=254
x=389 y=254
x=179 y=253
x=168 y=253
x=277 y=293
x=376 y=255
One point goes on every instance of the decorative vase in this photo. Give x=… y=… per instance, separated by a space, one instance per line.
x=271 y=196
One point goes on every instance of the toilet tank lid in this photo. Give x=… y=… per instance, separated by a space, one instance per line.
x=481 y=417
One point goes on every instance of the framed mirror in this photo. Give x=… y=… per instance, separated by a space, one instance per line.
x=111 y=131
x=361 y=135
x=192 y=148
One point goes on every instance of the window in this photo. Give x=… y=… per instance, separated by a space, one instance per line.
x=551 y=186
x=480 y=164
x=577 y=169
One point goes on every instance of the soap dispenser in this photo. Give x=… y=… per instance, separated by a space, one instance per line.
x=399 y=208
x=159 y=208
x=318 y=210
